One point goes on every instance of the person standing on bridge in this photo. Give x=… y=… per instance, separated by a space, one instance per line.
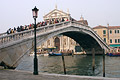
x=18 y=29
x=63 y=20
x=14 y=30
x=8 y=31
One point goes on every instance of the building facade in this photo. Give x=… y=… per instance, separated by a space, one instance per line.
x=102 y=31
x=60 y=42
x=110 y=34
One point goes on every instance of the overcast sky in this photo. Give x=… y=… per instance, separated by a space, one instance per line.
x=14 y=13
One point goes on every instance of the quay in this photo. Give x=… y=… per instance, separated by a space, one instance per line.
x=26 y=75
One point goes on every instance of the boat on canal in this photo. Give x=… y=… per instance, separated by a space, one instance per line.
x=54 y=54
x=39 y=54
x=113 y=54
x=59 y=54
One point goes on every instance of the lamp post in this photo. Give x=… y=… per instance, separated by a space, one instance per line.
x=35 y=15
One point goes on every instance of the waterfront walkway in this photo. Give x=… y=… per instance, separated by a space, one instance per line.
x=24 y=75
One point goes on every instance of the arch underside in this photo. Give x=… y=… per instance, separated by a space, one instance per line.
x=86 y=41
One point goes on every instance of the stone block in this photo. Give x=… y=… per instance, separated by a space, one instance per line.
x=7 y=60
x=2 y=54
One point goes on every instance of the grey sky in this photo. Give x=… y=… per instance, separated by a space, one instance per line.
x=14 y=13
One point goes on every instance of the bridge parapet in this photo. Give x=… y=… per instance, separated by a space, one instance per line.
x=3 y=34
x=25 y=34
x=4 y=39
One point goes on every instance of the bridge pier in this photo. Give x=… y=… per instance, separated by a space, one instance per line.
x=11 y=55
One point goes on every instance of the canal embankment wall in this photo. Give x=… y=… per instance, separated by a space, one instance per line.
x=25 y=75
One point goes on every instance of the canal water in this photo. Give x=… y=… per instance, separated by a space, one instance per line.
x=77 y=65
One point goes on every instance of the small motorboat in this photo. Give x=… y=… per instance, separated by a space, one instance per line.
x=46 y=54
x=54 y=54
x=32 y=54
x=113 y=54
x=38 y=54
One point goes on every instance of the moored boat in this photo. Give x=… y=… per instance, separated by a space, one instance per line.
x=38 y=54
x=59 y=54
x=54 y=54
x=113 y=54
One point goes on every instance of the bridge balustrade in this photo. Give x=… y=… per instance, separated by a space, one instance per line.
x=25 y=34
x=3 y=34
x=4 y=39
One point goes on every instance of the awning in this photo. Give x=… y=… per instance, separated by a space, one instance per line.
x=114 y=45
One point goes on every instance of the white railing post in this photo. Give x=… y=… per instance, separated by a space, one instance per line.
x=31 y=33
x=54 y=26
x=63 y=24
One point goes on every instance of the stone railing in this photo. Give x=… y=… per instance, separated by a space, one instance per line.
x=3 y=34
x=24 y=34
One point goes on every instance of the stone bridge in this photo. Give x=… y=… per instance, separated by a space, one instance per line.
x=13 y=47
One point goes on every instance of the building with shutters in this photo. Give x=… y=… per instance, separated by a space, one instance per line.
x=110 y=34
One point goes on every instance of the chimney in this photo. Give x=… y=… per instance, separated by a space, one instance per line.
x=107 y=24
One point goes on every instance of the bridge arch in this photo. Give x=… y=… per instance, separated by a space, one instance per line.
x=13 y=47
x=85 y=38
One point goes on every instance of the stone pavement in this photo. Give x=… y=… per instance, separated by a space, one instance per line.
x=24 y=75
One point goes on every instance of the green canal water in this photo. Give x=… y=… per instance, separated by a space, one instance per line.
x=77 y=65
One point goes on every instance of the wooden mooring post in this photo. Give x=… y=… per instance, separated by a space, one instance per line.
x=93 y=59
x=103 y=63
x=63 y=63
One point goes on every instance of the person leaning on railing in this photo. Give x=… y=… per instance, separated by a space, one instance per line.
x=40 y=24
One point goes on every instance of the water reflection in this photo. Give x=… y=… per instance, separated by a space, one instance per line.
x=77 y=65
x=113 y=66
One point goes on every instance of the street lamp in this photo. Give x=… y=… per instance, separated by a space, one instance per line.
x=35 y=15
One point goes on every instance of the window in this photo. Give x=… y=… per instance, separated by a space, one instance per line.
x=105 y=39
x=64 y=42
x=110 y=31
x=104 y=31
x=118 y=40
x=115 y=40
x=115 y=31
x=48 y=42
x=110 y=40
x=43 y=44
x=71 y=42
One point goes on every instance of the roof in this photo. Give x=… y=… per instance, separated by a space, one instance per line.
x=54 y=11
x=109 y=27
x=83 y=22
x=100 y=26
x=114 y=27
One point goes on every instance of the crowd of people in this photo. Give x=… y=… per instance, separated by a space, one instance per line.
x=19 y=29
x=39 y=24
x=51 y=21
